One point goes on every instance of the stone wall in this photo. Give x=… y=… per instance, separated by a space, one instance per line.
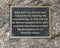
x=7 y=42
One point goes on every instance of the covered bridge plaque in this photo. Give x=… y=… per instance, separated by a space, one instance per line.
x=30 y=21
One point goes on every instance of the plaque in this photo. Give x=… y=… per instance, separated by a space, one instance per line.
x=30 y=21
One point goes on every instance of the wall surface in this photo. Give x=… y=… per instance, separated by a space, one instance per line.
x=7 y=42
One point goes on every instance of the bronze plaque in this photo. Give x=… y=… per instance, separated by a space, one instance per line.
x=30 y=21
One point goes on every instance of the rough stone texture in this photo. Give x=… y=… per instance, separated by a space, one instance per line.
x=7 y=42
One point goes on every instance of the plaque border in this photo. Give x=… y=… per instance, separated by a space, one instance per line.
x=50 y=21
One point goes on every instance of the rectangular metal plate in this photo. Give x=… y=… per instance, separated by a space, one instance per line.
x=30 y=21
